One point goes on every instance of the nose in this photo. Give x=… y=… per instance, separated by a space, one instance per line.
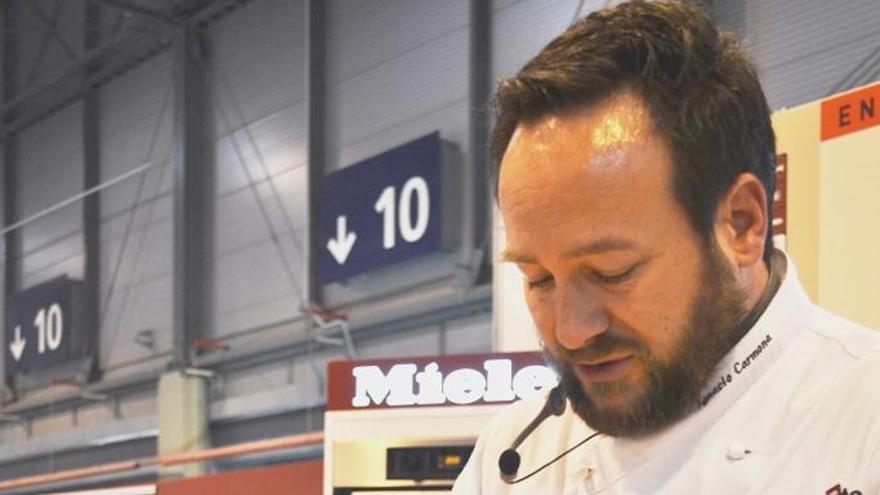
x=580 y=316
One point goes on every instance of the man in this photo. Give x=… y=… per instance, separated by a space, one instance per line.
x=635 y=166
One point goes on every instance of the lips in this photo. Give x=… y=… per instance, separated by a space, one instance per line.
x=605 y=370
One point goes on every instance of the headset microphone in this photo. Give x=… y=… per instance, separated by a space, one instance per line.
x=509 y=461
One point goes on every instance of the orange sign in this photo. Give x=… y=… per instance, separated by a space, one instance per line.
x=851 y=112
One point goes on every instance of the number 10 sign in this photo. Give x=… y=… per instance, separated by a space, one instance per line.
x=40 y=325
x=383 y=210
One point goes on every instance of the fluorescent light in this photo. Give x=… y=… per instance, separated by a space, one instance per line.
x=126 y=437
x=125 y=490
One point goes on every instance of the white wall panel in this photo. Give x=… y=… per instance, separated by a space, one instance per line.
x=522 y=28
x=262 y=87
x=50 y=171
x=136 y=97
x=414 y=84
x=141 y=299
x=59 y=258
x=248 y=278
x=804 y=48
x=258 y=379
x=142 y=306
x=381 y=30
x=274 y=145
x=12 y=432
x=258 y=60
x=424 y=341
x=468 y=336
x=257 y=28
x=339 y=8
x=100 y=413
x=242 y=225
x=450 y=119
x=136 y=129
x=257 y=77
x=146 y=255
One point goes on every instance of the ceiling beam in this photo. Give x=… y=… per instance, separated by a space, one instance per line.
x=127 y=6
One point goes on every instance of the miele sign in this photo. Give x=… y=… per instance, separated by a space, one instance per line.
x=437 y=381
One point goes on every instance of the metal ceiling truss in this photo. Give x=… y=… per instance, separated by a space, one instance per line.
x=141 y=10
x=51 y=26
x=144 y=31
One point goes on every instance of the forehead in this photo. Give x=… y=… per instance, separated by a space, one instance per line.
x=604 y=166
x=598 y=136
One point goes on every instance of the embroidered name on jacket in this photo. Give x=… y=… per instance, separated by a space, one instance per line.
x=738 y=368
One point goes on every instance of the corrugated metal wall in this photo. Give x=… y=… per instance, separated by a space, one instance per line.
x=806 y=49
x=50 y=170
x=257 y=79
x=136 y=228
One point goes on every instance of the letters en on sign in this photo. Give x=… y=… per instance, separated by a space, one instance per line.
x=851 y=112
x=437 y=381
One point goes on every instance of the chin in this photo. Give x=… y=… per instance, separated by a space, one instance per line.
x=625 y=408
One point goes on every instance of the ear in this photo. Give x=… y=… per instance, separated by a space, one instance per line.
x=741 y=221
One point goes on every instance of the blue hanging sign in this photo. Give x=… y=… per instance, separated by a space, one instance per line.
x=40 y=326
x=381 y=211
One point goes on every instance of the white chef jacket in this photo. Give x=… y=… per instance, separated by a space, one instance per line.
x=794 y=408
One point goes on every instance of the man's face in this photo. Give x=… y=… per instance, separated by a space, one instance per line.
x=633 y=306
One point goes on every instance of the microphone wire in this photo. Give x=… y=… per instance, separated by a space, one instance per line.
x=560 y=456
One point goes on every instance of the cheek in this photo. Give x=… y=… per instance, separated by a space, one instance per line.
x=541 y=308
x=658 y=310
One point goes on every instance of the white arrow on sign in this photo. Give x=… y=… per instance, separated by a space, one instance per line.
x=340 y=247
x=17 y=345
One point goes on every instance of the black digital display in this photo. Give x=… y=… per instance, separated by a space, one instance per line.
x=426 y=463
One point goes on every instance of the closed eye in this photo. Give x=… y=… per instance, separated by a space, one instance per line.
x=541 y=283
x=617 y=278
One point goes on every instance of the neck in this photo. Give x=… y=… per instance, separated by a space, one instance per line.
x=761 y=285
x=756 y=281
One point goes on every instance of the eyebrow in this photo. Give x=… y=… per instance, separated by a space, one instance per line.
x=601 y=246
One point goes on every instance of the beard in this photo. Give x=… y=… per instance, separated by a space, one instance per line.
x=673 y=387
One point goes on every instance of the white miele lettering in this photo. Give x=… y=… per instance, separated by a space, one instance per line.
x=498 y=380
x=464 y=386
x=532 y=380
x=461 y=386
x=396 y=388
x=430 y=386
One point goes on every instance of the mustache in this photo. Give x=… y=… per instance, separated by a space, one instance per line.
x=599 y=347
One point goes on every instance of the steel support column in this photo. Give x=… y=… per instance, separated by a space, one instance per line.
x=315 y=132
x=477 y=228
x=193 y=192
x=12 y=239
x=91 y=136
x=10 y=213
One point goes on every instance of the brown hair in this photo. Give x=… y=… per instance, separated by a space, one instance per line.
x=702 y=92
